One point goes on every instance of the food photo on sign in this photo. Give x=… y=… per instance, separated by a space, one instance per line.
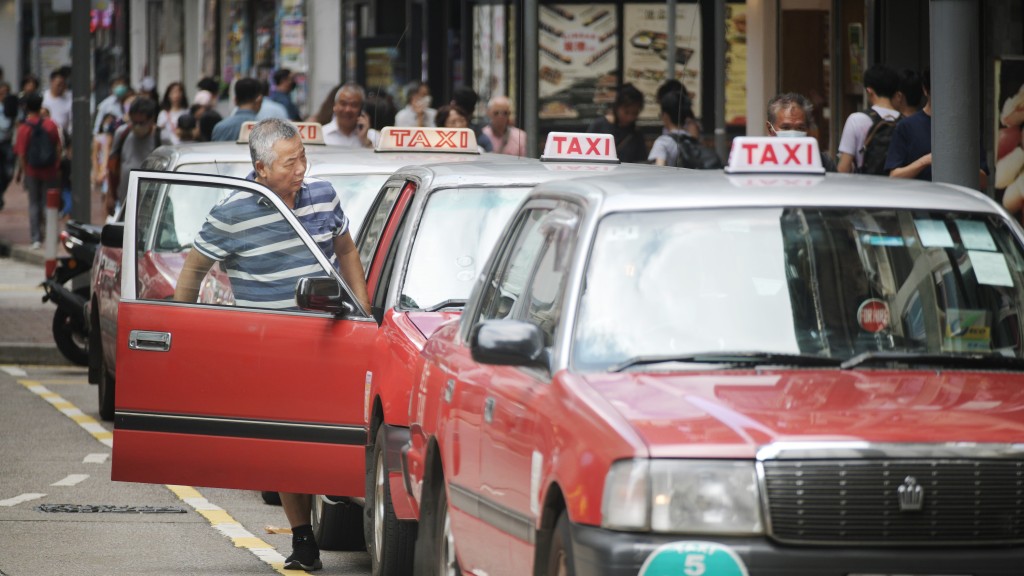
x=1009 y=175
x=578 y=54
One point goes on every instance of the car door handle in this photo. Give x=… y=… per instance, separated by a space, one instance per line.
x=151 y=341
x=489 y=410
x=449 y=390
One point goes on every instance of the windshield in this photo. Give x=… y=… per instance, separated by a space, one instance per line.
x=455 y=235
x=832 y=283
x=357 y=192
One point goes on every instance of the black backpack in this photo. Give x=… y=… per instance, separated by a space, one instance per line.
x=41 y=151
x=876 y=144
x=690 y=154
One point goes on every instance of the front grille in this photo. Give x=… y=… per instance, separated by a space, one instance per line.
x=858 y=501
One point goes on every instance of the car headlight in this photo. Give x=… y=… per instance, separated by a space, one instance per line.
x=683 y=496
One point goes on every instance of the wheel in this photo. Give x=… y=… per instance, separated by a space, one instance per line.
x=338 y=524
x=271 y=498
x=447 y=561
x=560 y=561
x=70 y=335
x=105 y=392
x=392 y=541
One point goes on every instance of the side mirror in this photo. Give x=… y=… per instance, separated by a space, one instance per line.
x=508 y=343
x=323 y=294
x=112 y=235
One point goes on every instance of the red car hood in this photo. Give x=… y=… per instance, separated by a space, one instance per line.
x=428 y=322
x=732 y=414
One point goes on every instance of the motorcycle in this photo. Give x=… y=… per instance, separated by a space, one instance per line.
x=70 y=327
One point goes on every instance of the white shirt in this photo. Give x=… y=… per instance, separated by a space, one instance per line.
x=60 y=108
x=333 y=136
x=111 y=106
x=167 y=120
x=407 y=117
x=856 y=131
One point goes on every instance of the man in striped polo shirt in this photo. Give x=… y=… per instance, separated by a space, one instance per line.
x=264 y=258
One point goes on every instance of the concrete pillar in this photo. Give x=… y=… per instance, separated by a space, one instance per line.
x=762 y=66
x=324 y=35
x=530 y=78
x=956 y=106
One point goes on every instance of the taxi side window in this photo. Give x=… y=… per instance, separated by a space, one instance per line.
x=375 y=221
x=543 y=307
x=506 y=285
x=219 y=245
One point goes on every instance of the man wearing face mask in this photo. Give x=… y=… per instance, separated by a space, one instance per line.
x=133 y=142
x=788 y=117
x=112 y=104
x=417 y=111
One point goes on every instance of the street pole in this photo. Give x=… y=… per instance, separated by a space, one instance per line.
x=530 y=77
x=956 y=109
x=670 y=47
x=81 y=133
x=37 y=50
x=721 y=141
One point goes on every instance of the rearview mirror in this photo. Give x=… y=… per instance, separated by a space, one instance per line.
x=508 y=343
x=323 y=294
x=112 y=235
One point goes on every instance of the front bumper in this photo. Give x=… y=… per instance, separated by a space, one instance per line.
x=606 y=552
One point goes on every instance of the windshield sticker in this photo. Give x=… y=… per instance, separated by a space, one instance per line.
x=623 y=233
x=873 y=315
x=967 y=331
x=873 y=240
x=975 y=235
x=934 y=233
x=990 y=268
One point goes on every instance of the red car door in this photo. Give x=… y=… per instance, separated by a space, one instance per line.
x=257 y=395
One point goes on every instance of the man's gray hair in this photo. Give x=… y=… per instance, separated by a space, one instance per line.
x=789 y=100
x=352 y=87
x=264 y=135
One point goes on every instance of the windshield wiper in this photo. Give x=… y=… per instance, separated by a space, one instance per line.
x=969 y=360
x=453 y=303
x=733 y=359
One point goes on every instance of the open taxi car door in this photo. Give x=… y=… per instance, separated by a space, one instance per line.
x=246 y=390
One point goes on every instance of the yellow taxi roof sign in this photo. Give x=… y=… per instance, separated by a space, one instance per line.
x=773 y=155
x=401 y=139
x=579 y=147
x=309 y=132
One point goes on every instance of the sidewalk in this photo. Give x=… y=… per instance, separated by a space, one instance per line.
x=25 y=320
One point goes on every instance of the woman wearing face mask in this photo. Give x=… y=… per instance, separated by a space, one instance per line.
x=789 y=117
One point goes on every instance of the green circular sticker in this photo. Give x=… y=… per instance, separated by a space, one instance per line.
x=693 y=559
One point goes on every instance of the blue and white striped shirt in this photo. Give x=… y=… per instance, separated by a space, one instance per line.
x=261 y=253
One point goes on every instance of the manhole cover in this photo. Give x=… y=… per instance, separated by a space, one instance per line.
x=107 y=508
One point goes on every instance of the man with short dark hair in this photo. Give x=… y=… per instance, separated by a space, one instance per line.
x=133 y=142
x=284 y=84
x=880 y=83
x=248 y=98
x=38 y=179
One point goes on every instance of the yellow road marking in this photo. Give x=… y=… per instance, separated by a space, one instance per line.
x=218 y=518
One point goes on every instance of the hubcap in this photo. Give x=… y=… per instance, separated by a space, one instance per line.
x=378 y=506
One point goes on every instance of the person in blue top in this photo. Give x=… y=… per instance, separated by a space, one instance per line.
x=248 y=98
x=264 y=258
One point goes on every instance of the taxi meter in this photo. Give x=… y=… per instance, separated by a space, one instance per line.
x=309 y=132
x=768 y=155
x=395 y=139
x=579 y=147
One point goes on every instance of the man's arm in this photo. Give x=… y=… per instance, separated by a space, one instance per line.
x=913 y=169
x=351 y=268
x=845 y=163
x=191 y=278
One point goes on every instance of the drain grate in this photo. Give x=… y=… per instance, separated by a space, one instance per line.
x=107 y=508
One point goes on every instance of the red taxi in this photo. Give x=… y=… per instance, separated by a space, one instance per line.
x=748 y=372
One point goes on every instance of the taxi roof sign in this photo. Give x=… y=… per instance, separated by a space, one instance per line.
x=309 y=132
x=396 y=139
x=579 y=147
x=773 y=155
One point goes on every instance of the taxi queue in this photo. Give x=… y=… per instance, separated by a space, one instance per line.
x=573 y=366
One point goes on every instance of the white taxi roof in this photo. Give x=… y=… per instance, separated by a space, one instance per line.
x=715 y=189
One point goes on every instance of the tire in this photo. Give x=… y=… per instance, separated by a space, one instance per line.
x=271 y=498
x=338 y=524
x=392 y=541
x=70 y=334
x=560 y=558
x=444 y=545
x=105 y=392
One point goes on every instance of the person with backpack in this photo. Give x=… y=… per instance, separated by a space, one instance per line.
x=38 y=148
x=133 y=142
x=676 y=146
x=866 y=135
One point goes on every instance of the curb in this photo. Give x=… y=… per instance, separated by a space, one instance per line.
x=46 y=354
x=22 y=253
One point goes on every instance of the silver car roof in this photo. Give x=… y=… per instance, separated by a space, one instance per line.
x=714 y=189
x=513 y=171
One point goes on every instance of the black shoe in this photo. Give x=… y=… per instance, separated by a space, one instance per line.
x=305 y=554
